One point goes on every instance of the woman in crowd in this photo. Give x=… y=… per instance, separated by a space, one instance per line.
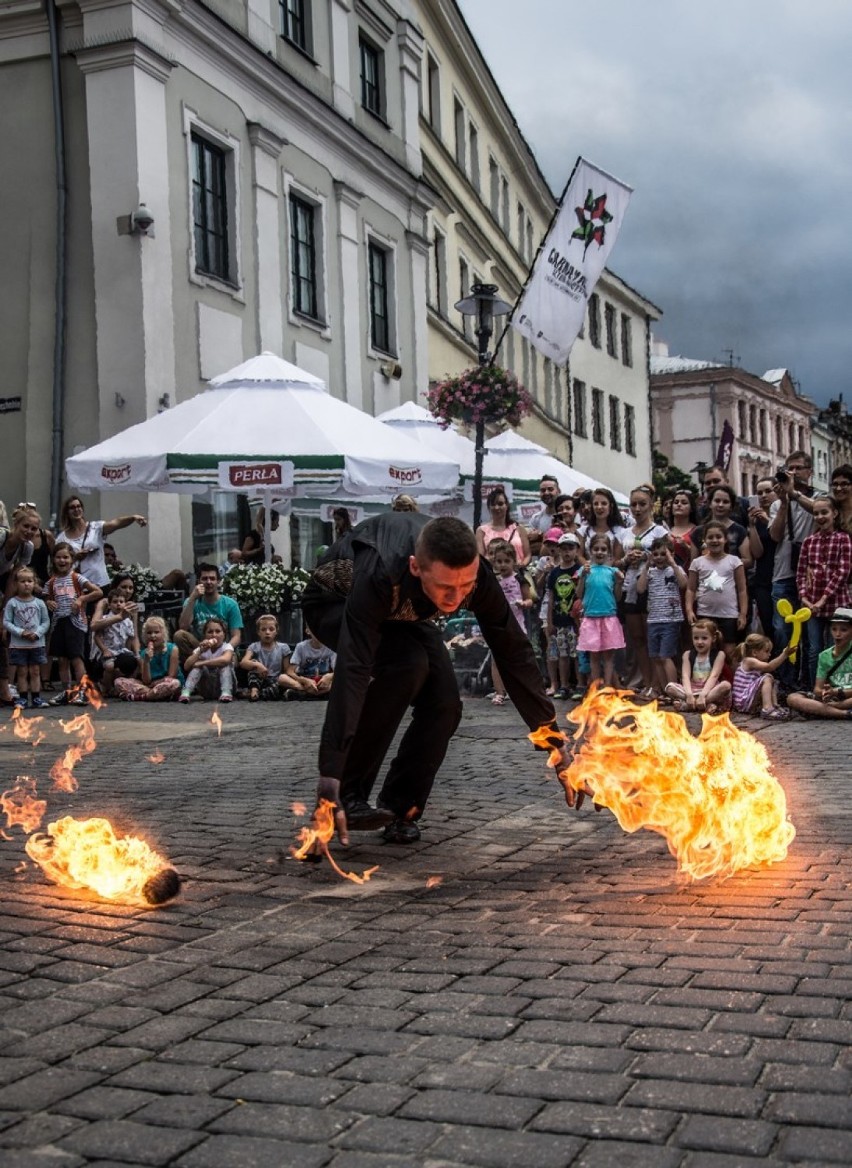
x=841 y=489
x=254 y=545
x=722 y=501
x=637 y=547
x=502 y=526
x=684 y=518
x=565 y=516
x=86 y=537
x=605 y=520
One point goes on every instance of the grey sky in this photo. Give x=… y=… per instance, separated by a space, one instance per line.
x=733 y=122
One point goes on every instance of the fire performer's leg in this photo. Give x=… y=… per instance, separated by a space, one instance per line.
x=437 y=713
x=401 y=669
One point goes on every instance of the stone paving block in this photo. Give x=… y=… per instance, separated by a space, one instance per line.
x=502 y=1149
x=378 y=1134
x=161 y=1032
x=16 y=1068
x=788 y=1077
x=108 y=1060
x=815 y=1145
x=470 y=1107
x=125 y=1141
x=607 y=1153
x=463 y=1026
x=547 y=1085
x=612 y=1123
x=170 y=1078
x=469 y=1076
x=823 y=1030
x=818 y=1110
x=374 y=1098
x=202 y=1052
x=596 y=1059
x=289 y=1058
x=193 y=1112
x=708 y=1042
x=35 y=1017
x=788 y=1050
x=101 y=1102
x=57 y=1043
x=695 y=1097
x=746 y=1137
x=37 y=1132
x=36 y=1159
x=282 y=1120
x=697 y=1068
x=283 y=1087
x=41 y=1089
x=570 y=1033
x=250 y=1152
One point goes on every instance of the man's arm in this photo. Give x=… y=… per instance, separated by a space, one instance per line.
x=187 y=613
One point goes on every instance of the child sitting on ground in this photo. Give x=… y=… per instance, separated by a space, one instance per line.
x=113 y=638
x=755 y=689
x=210 y=667
x=702 y=686
x=267 y=663
x=313 y=664
x=27 y=620
x=833 y=688
x=159 y=667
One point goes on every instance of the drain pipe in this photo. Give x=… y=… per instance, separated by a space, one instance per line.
x=60 y=283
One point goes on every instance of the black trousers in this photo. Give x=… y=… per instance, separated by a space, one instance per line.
x=412 y=670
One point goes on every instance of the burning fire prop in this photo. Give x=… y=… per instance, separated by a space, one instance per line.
x=713 y=798
x=315 y=841
x=82 y=853
x=86 y=853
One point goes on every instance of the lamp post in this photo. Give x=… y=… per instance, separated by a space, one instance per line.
x=483 y=304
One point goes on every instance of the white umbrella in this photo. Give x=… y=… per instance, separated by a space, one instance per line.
x=264 y=425
x=509 y=455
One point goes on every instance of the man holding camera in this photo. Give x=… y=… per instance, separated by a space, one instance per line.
x=790 y=522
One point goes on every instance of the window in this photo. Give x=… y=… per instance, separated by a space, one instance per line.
x=372 y=97
x=464 y=288
x=598 y=416
x=752 y=425
x=761 y=427
x=438 y=297
x=522 y=218
x=626 y=340
x=530 y=241
x=460 y=122
x=791 y=435
x=210 y=209
x=504 y=206
x=473 y=142
x=595 y=320
x=295 y=16
x=614 y=423
x=741 y=417
x=378 y=260
x=494 y=181
x=303 y=257
x=630 y=429
x=779 y=436
x=433 y=93
x=580 y=422
x=609 y=319
x=743 y=483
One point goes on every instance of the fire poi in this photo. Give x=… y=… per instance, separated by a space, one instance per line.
x=83 y=853
x=713 y=797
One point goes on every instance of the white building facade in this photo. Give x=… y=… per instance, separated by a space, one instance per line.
x=492 y=210
x=276 y=148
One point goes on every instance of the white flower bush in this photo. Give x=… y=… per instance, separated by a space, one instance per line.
x=264 y=588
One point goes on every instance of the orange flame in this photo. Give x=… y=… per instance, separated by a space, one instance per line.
x=20 y=805
x=96 y=698
x=157 y=757
x=27 y=728
x=434 y=881
x=61 y=771
x=298 y=809
x=217 y=722
x=714 y=798
x=86 y=853
x=317 y=838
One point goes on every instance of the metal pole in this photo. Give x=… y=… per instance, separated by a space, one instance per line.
x=477 y=473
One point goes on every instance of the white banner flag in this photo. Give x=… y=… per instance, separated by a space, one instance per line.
x=553 y=305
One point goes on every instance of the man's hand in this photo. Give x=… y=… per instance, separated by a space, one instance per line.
x=329 y=789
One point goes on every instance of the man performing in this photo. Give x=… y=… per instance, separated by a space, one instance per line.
x=371 y=599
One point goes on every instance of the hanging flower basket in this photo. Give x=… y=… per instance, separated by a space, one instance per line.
x=486 y=393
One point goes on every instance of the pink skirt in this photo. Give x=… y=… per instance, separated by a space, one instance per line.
x=599 y=634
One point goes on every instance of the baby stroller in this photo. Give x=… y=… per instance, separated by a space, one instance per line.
x=469 y=653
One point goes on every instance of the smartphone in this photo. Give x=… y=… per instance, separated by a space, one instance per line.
x=753 y=501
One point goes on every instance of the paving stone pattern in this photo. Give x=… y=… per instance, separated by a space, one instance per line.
x=558 y=997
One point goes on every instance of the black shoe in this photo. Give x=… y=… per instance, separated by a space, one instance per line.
x=360 y=816
x=401 y=831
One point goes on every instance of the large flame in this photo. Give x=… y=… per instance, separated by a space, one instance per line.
x=62 y=770
x=21 y=805
x=315 y=841
x=86 y=853
x=714 y=798
x=29 y=729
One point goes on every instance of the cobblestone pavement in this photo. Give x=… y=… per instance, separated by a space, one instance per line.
x=558 y=998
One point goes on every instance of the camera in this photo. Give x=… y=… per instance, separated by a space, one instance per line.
x=782 y=475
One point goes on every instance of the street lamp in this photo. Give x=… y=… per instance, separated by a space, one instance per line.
x=483 y=304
